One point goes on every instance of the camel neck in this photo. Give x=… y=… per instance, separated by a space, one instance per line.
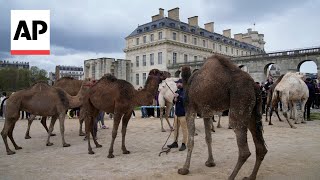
x=146 y=95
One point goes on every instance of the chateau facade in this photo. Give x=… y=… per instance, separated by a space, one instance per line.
x=167 y=41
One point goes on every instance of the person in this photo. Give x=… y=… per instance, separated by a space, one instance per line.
x=27 y=114
x=180 y=118
x=3 y=104
x=264 y=96
x=143 y=110
x=310 y=99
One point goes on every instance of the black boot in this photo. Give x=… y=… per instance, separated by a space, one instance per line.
x=173 y=145
x=183 y=147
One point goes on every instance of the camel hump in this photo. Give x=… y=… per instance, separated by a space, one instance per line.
x=110 y=77
x=185 y=74
x=42 y=84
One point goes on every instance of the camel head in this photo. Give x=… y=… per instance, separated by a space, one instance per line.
x=161 y=75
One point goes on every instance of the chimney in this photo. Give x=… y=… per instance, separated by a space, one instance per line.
x=209 y=27
x=227 y=33
x=161 y=12
x=238 y=37
x=193 y=21
x=174 y=14
x=158 y=16
x=249 y=30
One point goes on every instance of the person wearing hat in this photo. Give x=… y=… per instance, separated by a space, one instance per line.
x=312 y=93
x=180 y=118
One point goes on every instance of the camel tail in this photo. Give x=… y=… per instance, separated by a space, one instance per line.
x=257 y=112
x=185 y=74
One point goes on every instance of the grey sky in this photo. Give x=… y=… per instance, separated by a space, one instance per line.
x=89 y=29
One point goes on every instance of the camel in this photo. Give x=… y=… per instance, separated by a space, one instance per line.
x=117 y=96
x=44 y=100
x=217 y=86
x=72 y=87
x=269 y=100
x=291 y=90
x=166 y=89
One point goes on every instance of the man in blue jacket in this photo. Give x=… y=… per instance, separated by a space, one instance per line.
x=310 y=99
x=180 y=118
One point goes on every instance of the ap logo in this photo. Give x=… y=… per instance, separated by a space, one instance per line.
x=30 y=32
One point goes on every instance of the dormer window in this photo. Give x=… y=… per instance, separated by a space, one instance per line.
x=146 y=28
x=211 y=37
x=202 y=33
x=154 y=26
x=139 y=30
x=193 y=30
x=183 y=27
x=161 y=24
x=172 y=25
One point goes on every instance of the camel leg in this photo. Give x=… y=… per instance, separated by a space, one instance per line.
x=285 y=112
x=81 y=133
x=190 y=115
x=303 y=104
x=212 y=125
x=169 y=106
x=8 y=125
x=294 y=112
x=89 y=128
x=95 y=139
x=125 y=121
x=44 y=124
x=219 y=125
x=11 y=137
x=53 y=121
x=261 y=150
x=277 y=113
x=161 y=119
x=61 y=122
x=30 y=120
x=207 y=126
x=244 y=152
x=116 y=122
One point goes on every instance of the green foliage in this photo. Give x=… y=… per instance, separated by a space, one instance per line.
x=13 y=79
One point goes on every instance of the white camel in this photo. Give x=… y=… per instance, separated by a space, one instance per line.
x=291 y=90
x=166 y=90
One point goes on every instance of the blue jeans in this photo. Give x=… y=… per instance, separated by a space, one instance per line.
x=144 y=112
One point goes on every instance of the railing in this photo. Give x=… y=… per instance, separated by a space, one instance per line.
x=292 y=52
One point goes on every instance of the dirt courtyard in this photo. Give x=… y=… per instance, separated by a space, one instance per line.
x=293 y=153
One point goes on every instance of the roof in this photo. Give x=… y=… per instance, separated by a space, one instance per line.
x=182 y=26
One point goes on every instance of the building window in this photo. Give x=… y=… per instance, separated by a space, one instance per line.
x=195 y=41
x=204 y=43
x=231 y=50
x=241 y=53
x=152 y=59
x=174 y=58
x=160 y=35
x=144 y=78
x=246 y=53
x=144 y=60
x=137 y=61
x=214 y=46
x=137 y=41
x=137 y=79
x=151 y=37
x=226 y=49
x=237 y=52
x=159 y=57
x=220 y=48
x=144 y=39
x=185 y=58
x=185 y=38
x=195 y=58
x=174 y=36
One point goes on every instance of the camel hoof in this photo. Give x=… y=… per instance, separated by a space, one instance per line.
x=293 y=127
x=183 y=171
x=270 y=124
x=195 y=134
x=126 y=152
x=214 y=120
x=303 y=122
x=229 y=127
x=163 y=130
x=10 y=152
x=218 y=126
x=18 y=147
x=213 y=130
x=52 y=134
x=246 y=178
x=110 y=156
x=98 y=146
x=27 y=137
x=90 y=152
x=82 y=134
x=210 y=164
x=49 y=144
x=295 y=123
x=66 y=145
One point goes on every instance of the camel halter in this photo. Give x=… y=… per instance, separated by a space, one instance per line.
x=169 y=87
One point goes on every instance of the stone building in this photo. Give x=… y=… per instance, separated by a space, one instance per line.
x=96 y=68
x=69 y=71
x=18 y=65
x=166 y=42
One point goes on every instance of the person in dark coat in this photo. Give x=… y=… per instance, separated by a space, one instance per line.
x=312 y=92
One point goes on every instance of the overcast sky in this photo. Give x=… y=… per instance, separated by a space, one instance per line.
x=82 y=29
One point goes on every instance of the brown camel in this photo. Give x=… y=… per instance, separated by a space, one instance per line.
x=72 y=87
x=44 y=100
x=269 y=100
x=113 y=95
x=217 y=86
